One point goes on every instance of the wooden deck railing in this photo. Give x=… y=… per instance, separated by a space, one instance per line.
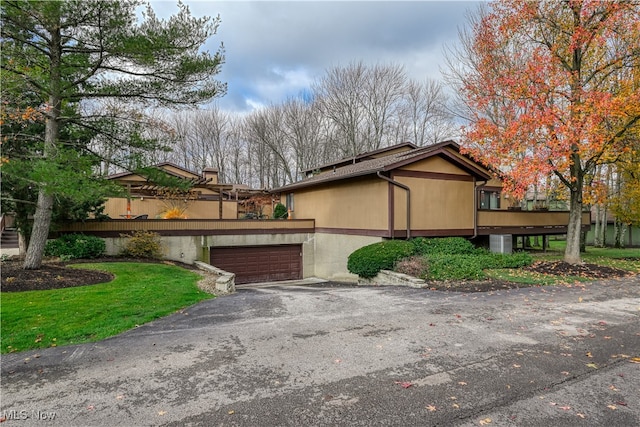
x=537 y=221
x=185 y=227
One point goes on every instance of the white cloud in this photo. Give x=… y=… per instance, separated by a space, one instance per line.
x=276 y=49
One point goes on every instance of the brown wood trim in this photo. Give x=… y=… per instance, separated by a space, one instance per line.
x=432 y=175
x=353 y=231
x=527 y=231
x=489 y=188
x=435 y=233
x=203 y=232
x=391 y=203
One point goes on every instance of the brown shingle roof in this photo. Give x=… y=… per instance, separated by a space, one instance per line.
x=386 y=163
x=360 y=157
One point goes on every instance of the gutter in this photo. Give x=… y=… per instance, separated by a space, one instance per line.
x=408 y=190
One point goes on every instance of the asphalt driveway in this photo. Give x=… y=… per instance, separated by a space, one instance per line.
x=343 y=355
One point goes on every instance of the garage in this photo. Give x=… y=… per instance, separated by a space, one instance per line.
x=253 y=264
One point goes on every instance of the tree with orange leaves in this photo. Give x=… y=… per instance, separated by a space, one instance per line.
x=551 y=87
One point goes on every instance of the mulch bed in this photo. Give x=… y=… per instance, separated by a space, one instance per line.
x=591 y=271
x=56 y=275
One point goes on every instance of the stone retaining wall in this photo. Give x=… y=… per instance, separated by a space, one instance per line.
x=391 y=278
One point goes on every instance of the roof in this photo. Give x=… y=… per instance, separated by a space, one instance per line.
x=159 y=166
x=144 y=185
x=388 y=163
x=362 y=156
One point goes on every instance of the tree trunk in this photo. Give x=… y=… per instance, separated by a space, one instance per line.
x=40 y=232
x=44 y=206
x=572 y=251
x=597 y=241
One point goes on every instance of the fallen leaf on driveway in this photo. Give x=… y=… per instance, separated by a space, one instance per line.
x=580 y=415
x=485 y=421
x=231 y=412
x=515 y=365
x=612 y=387
x=162 y=413
x=592 y=365
x=588 y=354
x=612 y=407
x=431 y=408
x=461 y=383
x=635 y=360
x=404 y=384
x=621 y=403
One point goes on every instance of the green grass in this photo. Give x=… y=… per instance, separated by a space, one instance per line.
x=532 y=278
x=139 y=293
x=610 y=257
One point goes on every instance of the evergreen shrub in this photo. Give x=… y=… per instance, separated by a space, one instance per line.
x=280 y=211
x=369 y=260
x=75 y=246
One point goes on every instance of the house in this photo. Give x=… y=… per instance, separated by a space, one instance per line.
x=207 y=199
x=406 y=191
x=398 y=192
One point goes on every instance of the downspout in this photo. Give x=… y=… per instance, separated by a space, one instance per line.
x=475 y=206
x=408 y=190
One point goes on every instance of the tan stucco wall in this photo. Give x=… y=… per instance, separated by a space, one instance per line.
x=435 y=164
x=199 y=209
x=359 y=204
x=332 y=252
x=435 y=204
x=185 y=249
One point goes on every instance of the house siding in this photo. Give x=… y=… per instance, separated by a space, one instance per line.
x=441 y=198
x=359 y=204
x=198 y=209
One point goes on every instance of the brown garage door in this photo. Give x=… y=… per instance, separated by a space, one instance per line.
x=253 y=264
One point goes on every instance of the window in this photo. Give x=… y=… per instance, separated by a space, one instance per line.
x=290 y=201
x=489 y=199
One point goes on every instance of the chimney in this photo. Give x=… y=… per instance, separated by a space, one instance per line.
x=212 y=174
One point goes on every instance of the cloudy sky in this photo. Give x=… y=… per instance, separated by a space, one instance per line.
x=275 y=49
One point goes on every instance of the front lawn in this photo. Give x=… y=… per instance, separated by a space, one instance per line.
x=620 y=258
x=139 y=293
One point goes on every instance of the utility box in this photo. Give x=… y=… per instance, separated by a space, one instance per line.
x=501 y=243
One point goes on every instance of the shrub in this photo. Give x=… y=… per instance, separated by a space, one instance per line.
x=75 y=246
x=369 y=260
x=143 y=244
x=455 y=267
x=280 y=211
x=471 y=266
x=444 y=246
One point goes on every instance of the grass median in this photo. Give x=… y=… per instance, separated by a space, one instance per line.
x=139 y=293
